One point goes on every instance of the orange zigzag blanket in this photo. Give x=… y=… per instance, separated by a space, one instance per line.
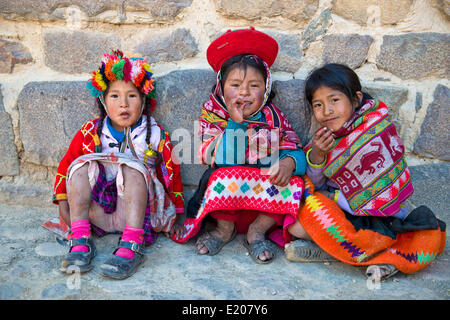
x=326 y=223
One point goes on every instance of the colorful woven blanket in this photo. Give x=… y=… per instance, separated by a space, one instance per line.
x=367 y=162
x=245 y=188
x=409 y=251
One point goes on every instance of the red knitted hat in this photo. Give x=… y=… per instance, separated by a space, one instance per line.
x=247 y=41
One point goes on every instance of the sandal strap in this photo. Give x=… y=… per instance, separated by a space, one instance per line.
x=80 y=242
x=133 y=246
x=259 y=246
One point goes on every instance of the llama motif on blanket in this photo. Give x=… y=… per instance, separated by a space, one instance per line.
x=245 y=188
x=368 y=163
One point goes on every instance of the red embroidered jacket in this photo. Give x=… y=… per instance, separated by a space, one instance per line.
x=87 y=141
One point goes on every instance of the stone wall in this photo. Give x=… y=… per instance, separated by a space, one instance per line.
x=400 y=49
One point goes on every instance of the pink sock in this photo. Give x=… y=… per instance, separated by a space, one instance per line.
x=132 y=235
x=80 y=229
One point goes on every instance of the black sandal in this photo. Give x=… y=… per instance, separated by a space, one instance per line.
x=214 y=244
x=79 y=261
x=121 y=268
x=257 y=247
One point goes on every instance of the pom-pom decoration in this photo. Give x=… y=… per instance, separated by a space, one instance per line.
x=115 y=66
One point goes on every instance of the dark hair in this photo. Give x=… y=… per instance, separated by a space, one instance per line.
x=336 y=76
x=242 y=62
x=147 y=111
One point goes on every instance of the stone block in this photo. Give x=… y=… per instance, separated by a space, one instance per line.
x=290 y=99
x=180 y=96
x=11 y=53
x=434 y=136
x=8 y=152
x=289 y=57
x=373 y=12
x=175 y=46
x=114 y=11
x=431 y=188
x=316 y=28
x=50 y=115
x=350 y=50
x=30 y=194
x=443 y=6
x=160 y=9
x=415 y=55
x=393 y=96
x=295 y=10
x=77 y=51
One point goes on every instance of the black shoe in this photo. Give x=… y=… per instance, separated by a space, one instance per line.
x=121 y=268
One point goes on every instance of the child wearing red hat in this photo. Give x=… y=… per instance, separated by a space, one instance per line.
x=255 y=158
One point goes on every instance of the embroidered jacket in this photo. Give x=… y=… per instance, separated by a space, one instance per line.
x=87 y=141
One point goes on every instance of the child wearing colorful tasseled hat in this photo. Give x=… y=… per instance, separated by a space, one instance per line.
x=255 y=158
x=118 y=175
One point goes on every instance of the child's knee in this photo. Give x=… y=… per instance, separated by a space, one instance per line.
x=132 y=173
x=80 y=173
x=131 y=180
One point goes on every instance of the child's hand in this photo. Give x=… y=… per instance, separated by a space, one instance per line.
x=281 y=172
x=237 y=110
x=322 y=143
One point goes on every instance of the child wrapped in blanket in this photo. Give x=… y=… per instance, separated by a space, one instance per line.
x=356 y=164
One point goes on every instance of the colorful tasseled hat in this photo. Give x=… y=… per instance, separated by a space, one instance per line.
x=115 y=66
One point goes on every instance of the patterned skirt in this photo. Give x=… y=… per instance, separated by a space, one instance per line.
x=243 y=193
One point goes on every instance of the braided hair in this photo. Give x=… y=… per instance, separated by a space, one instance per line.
x=148 y=112
x=102 y=117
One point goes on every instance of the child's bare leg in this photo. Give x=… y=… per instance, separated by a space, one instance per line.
x=298 y=231
x=79 y=200
x=224 y=231
x=135 y=203
x=257 y=230
x=79 y=194
x=135 y=197
x=64 y=212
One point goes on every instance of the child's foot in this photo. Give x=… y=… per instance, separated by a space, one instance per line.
x=381 y=272
x=130 y=234
x=256 y=233
x=79 y=261
x=212 y=242
x=258 y=237
x=120 y=268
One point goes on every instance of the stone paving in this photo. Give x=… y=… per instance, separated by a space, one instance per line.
x=30 y=256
